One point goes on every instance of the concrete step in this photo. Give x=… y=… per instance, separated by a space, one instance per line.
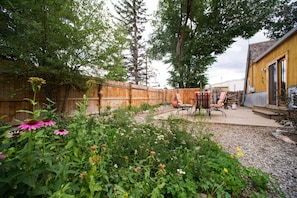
x=268 y=113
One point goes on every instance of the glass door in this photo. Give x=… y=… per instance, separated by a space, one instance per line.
x=272 y=84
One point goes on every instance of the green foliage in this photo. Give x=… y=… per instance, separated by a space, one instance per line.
x=191 y=33
x=60 y=41
x=282 y=19
x=112 y=156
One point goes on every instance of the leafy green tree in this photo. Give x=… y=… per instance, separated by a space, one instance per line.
x=282 y=19
x=59 y=41
x=191 y=33
x=133 y=15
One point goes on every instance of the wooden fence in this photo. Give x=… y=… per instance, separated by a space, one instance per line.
x=110 y=94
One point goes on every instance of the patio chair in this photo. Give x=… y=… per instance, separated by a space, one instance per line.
x=180 y=105
x=202 y=101
x=219 y=104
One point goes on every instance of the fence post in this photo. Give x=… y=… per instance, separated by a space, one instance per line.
x=130 y=94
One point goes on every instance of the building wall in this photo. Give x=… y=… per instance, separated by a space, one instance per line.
x=257 y=74
x=260 y=69
x=233 y=85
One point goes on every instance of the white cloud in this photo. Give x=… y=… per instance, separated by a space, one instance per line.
x=229 y=66
x=232 y=64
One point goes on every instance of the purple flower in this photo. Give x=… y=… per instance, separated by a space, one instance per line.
x=61 y=132
x=14 y=134
x=48 y=122
x=1 y=156
x=31 y=125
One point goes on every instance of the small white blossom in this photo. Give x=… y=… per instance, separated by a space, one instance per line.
x=115 y=165
x=180 y=172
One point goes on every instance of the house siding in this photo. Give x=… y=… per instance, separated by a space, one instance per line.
x=258 y=99
x=257 y=70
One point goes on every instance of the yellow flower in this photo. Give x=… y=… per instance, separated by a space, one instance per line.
x=225 y=170
x=239 y=154
x=238 y=149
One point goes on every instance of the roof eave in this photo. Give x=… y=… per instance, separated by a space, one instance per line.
x=281 y=40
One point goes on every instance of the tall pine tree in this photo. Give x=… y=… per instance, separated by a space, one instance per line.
x=133 y=16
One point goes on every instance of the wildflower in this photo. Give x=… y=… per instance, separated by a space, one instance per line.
x=1 y=156
x=138 y=169
x=61 y=132
x=94 y=147
x=90 y=83
x=160 y=137
x=83 y=174
x=14 y=134
x=31 y=125
x=180 y=172
x=238 y=149
x=116 y=166
x=95 y=160
x=225 y=170
x=126 y=158
x=103 y=145
x=36 y=83
x=153 y=153
x=48 y=122
x=162 y=166
x=239 y=154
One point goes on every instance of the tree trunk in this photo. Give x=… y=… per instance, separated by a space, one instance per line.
x=180 y=42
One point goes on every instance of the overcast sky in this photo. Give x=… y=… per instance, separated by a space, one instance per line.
x=229 y=66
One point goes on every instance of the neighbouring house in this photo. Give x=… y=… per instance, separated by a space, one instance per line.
x=231 y=85
x=271 y=73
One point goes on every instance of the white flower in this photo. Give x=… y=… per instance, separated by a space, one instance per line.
x=115 y=165
x=160 y=137
x=180 y=172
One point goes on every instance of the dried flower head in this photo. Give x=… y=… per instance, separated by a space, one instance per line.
x=153 y=153
x=138 y=169
x=83 y=174
x=36 y=83
x=162 y=166
x=94 y=147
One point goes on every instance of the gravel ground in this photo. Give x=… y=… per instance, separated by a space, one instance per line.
x=261 y=150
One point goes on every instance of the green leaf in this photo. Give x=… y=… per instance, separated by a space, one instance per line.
x=70 y=144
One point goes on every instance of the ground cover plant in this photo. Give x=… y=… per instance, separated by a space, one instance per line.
x=110 y=155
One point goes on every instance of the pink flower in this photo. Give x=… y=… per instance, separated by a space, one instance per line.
x=14 y=134
x=31 y=125
x=61 y=132
x=48 y=122
x=1 y=156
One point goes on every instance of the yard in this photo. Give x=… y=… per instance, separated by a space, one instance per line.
x=112 y=155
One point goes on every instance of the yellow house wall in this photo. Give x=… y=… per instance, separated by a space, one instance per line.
x=288 y=49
